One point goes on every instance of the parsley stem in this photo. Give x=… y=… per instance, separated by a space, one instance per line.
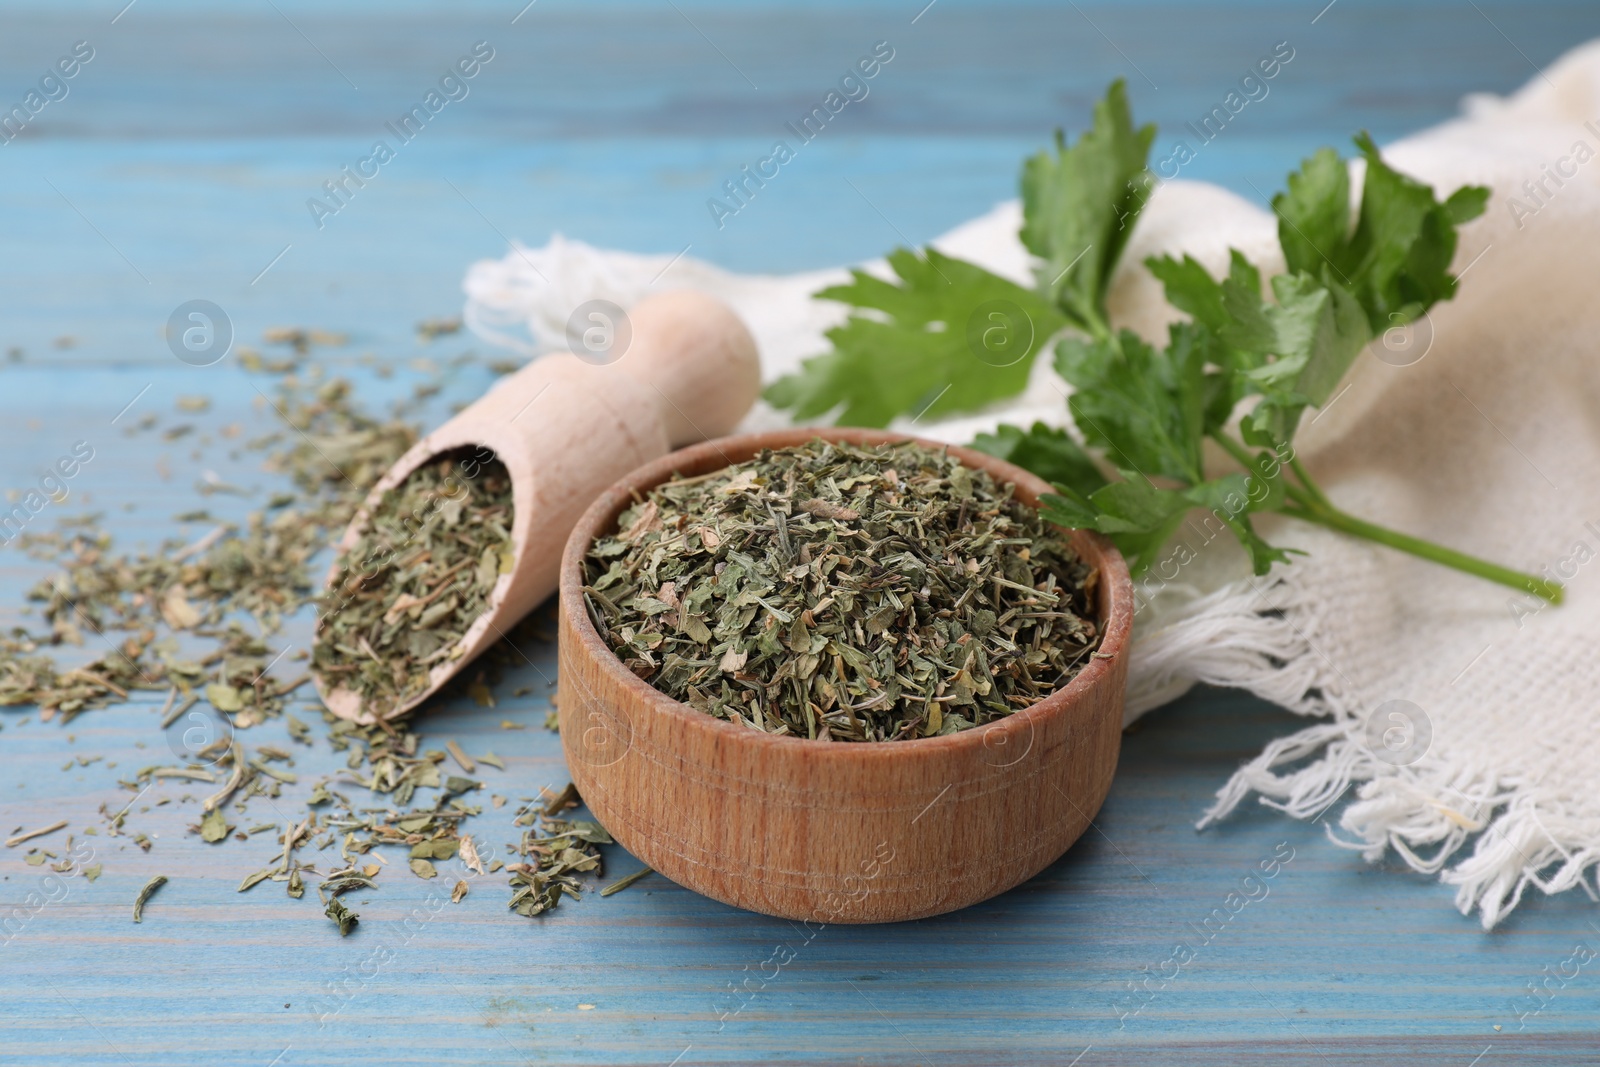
x=1305 y=480
x=1314 y=511
x=1098 y=326
x=1310 y=504
x=1248 y=462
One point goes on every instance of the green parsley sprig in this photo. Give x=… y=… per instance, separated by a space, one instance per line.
x=946 y=336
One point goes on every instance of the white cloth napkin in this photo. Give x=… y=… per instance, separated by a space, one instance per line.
x=1463 y=713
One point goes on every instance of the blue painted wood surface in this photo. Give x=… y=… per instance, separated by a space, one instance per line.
x=178 y=167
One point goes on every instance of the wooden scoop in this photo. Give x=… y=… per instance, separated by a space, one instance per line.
x=566 y=428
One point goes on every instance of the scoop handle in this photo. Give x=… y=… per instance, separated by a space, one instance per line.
x=698 y=358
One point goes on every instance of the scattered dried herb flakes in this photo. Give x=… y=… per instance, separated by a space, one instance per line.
x=565 y=850
x=428 y=329
x=844 y=593
x=341 y=882
x=140 y=603
x=622 y=883
x=253 y=879
x=437 y=849
x=145 y=894
x=28 y=835
x=213 y=826
x=417 y=579
x=556 y=852
x=341 y=914
x=468 y=850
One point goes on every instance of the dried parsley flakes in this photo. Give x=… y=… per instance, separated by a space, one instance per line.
x=417 y=579
x=844 y=593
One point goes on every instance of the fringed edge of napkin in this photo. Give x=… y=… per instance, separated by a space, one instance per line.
x=1253 y=634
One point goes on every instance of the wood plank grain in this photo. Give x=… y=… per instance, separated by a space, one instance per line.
x=190 y=145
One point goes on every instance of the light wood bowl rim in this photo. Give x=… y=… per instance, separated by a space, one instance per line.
x=600 y=517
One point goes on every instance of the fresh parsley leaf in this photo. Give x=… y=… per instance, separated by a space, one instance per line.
x=1307 y=339
x=1191 y=288
x=1404 y=241
x=1136 y=504
x=1146 y=407
x=1396 y=260
x=946 y=336
x=1141 y=517
x=1314 y=214
x=1138 y=516
x=1216 y=308
x=1232 y=498
x=1050 y=453
x=1079 y=204
x=928 y=341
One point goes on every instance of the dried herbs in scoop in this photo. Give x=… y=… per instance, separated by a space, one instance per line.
x=844 y=593
x=415 y=582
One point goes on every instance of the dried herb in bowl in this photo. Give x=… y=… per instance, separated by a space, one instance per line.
x=844 y=593
x=411 y=587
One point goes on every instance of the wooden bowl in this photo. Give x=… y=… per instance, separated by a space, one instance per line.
x=827 y=831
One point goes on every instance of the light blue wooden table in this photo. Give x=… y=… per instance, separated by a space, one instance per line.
x=178 y=167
